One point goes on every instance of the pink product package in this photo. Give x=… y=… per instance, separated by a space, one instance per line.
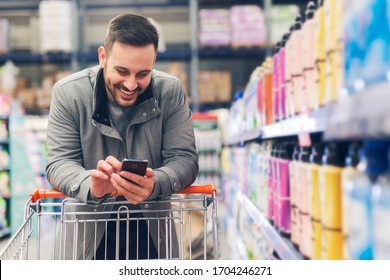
x=281 y=83
x=284 y=197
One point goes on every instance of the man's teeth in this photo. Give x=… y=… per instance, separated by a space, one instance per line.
x=125 y=91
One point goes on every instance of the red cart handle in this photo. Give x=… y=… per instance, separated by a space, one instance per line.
x=38 y=194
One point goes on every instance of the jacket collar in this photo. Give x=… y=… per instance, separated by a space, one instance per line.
x=100 y=113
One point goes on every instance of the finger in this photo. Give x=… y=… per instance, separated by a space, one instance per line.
x=114 y=162
x=99 y=174
x=105 y=167
x=131 y=191
x=149 y=172
x=135 y=178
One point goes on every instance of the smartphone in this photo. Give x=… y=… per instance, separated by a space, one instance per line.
x=137 y=166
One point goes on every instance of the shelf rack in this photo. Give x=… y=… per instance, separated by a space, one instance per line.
x=281 y=245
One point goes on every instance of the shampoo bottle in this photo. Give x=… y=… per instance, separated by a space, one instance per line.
x=294 y=181
x=373 y=163
x=303 y=203
x=284 y=190
x=330 y=197
x=309 y=58
x=348 y=173
x=315 y=205
x=381 y=214
x=320 y=53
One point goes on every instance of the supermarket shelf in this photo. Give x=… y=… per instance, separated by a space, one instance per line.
x=223 y=52
x=363 y=115
x=133 y=4
x=244 y=137
x=239 y=244
x=174 y=53
x=28 y=57
x=313 y=122
x=33 y=5
x=282 y=246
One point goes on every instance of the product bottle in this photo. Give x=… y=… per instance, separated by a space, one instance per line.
x=330 y=197
x=266 y=174
x=284 y=190
x=276 y=182
x=268 y=91
x=281 y=76
x=339 y=54
x=270 y=184
x=334 y=48
x=297 y=66
x=303 y=203
x=287 y=74
x=261 y=96
x=320 y=38
x=275 y=82
x=294 y=179
x=381 y=214
x=373 y=163
x=347 y=175
x=315 y=205
x=309 y=57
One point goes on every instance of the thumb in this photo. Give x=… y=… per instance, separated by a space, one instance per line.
x=149 y=172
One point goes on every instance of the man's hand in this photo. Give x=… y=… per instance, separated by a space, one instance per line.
x=135 y=188
x=101 y=183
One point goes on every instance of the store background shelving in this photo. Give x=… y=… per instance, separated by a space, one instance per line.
x=181 y=18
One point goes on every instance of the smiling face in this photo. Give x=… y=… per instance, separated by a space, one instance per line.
x=127 y=71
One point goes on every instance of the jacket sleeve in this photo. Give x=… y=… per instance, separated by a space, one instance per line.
x=180 y=159
x=65 y=171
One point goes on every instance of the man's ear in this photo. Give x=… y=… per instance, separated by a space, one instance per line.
x=102 y=56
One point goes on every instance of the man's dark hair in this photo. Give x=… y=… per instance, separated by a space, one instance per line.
x=131 y=30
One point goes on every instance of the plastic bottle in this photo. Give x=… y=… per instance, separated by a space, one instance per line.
x=276 y=184
x=315 y=205
x=275 y=82
x=271 y=184
x=262 y=190
x=308 y=57
x=284 y=190
x=320 y=38
x=268 y=91
x=373 y=163
x=294 y=179
x=330 y=197
x=303 y=203
x=281 y=76
x=287 y=74
x=381 y=214
x=297 y=66
x=261 y=96
x=350 y=170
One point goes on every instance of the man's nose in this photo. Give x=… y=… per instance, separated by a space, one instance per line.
x=130 y=83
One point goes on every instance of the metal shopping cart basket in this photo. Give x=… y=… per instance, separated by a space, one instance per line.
x=185 y=224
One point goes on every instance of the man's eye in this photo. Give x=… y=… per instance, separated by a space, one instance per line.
x=122 y=72
x=141 y=75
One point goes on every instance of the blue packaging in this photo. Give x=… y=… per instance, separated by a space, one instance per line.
x=373 y=164
x=367 y=43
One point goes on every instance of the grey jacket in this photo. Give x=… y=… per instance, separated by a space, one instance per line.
x=80 y=134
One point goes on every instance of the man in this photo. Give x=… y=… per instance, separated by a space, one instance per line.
x=122 y=108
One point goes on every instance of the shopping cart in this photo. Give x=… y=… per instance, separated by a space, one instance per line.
x=187 y=219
